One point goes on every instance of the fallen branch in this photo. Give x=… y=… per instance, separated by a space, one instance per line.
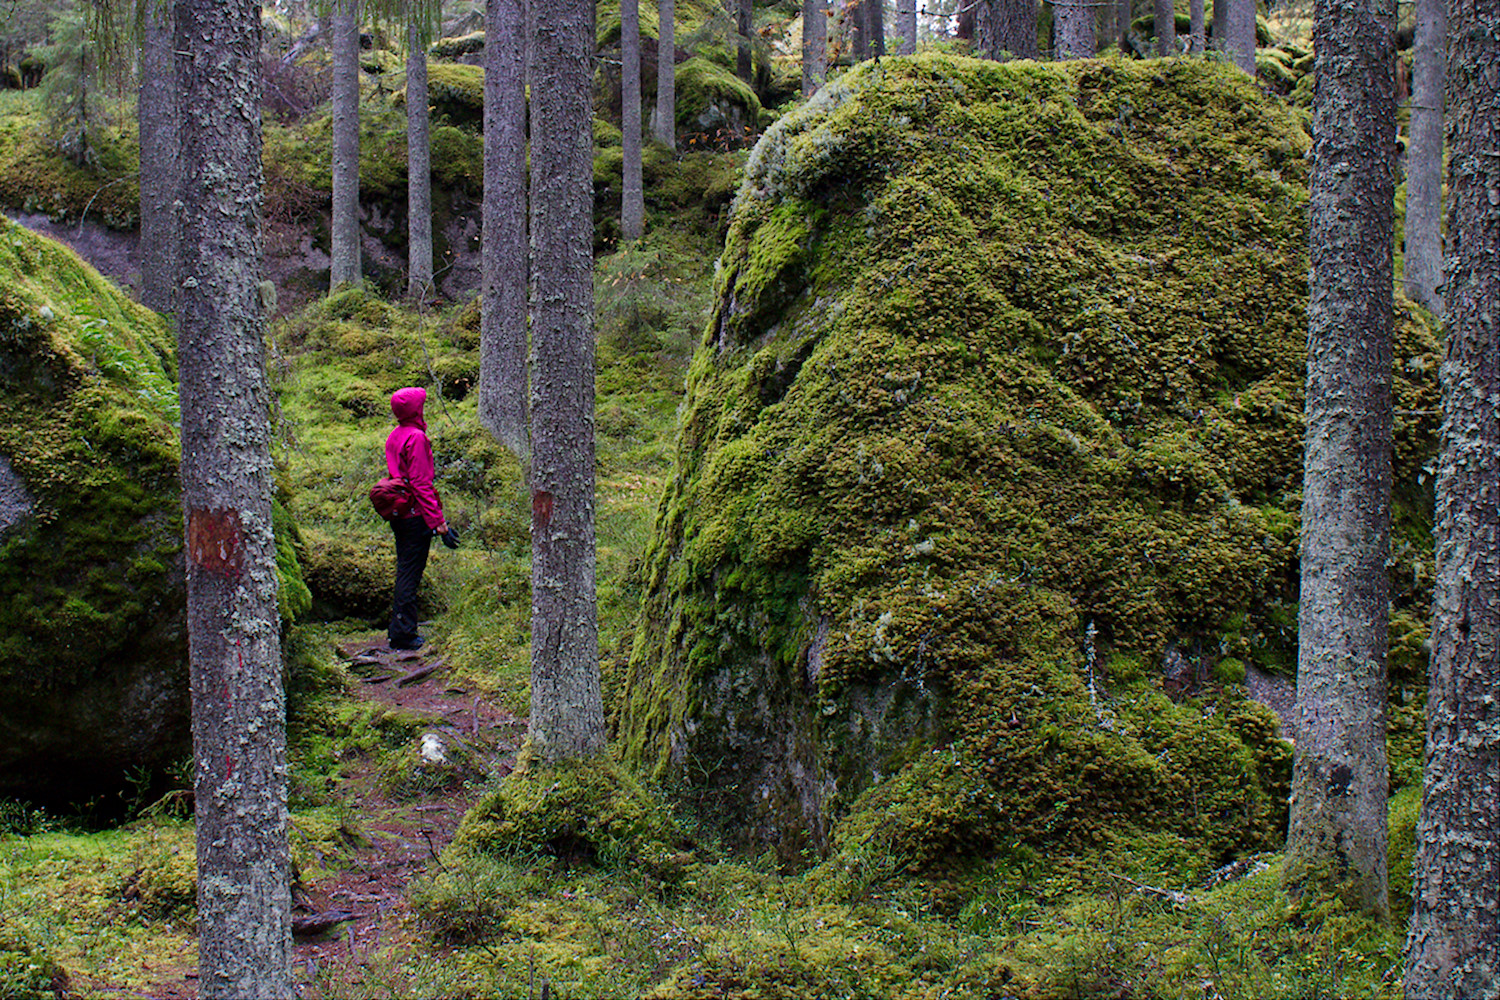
x=422 y=672
x=1179 y=899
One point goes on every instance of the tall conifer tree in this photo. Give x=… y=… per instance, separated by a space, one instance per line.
x=1337 y=841
x=239 y=731
x=1453 y=949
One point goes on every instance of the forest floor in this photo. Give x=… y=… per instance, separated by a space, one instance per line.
x=355 y=910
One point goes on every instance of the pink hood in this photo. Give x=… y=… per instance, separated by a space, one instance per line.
x=407 y=405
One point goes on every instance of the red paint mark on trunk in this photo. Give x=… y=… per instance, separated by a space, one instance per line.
x=216 y=542
x=541 y=508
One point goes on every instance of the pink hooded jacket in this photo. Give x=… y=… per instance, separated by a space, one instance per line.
x=408 y=453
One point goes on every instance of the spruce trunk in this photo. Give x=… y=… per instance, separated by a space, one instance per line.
x=814 y=45
x=156 y=115
x=504 y=405
x=1337 y=841
x=1075 y=29
x=239 y=732
x=664 y=118
x=1453 y=949
x=632 y=197
x=1423 y=253
x=418 y=169
x=344 y=231
x=567 y=716
x=906 y=26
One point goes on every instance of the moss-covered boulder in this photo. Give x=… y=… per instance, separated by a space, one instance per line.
x=989 y=455
x=93 y=671
x=714 y=106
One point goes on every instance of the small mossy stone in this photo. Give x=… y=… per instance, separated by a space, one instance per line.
x=713 y=103
x=586 y=811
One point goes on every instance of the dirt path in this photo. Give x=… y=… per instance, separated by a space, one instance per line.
x=346 y=920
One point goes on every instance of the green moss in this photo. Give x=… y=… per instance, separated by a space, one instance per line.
x=36 y=177
x=1005 y=362
x=94 y=568
x=589 y=811
x=461 y=45
x=26 y=973
x=293 y=599
x=456 y=93
x=711 y=99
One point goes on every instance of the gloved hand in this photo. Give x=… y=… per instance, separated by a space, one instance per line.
x=450 y=538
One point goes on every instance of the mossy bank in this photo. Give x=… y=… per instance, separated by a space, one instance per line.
x=990 y=457
x=93 y=645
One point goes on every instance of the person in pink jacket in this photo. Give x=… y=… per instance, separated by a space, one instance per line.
x=408 y=455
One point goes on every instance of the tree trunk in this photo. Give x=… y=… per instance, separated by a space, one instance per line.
x=1220 y=26
x=906 y=26
x=1337 y=841
x=1196 y=34
x=1423 y=271
x=1165 y=26
x=418 y=169
x=1453 y=949
x=1005 y=29
x=504 y=405
x=1126 y=14
x=156 y=112
x=664 y=120
x=567 y=715
x=239 y=728
x=632 y=198
x=1074 y=20
x=875 y=26
x=859 y=30
x=1239 y=35
x=344 y=235
x=744 y=23
x=814 y=45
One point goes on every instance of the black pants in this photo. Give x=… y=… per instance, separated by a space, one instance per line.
x=413 y=539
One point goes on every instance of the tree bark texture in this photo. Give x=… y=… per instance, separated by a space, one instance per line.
x=1337 y=841
x=1239 y=33
x=418 y=169
x=504 y=393
x=875 y=26
x=239 y=730
x=1453 y=949
x=567 y=715
x=344 y=231
x=906 y=26
x=1220 y=25
x=744 y=24
x=156 y=115
x=1017 y=29
x=814 y=45
x=859 y=30
x=1423 y=251
x=1074 y=21
x=1164 y=24
x=1196 y=34
x=632 y=195
x=664 y=118
x=1005 y=29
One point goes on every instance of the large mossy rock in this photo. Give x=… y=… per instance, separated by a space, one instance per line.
x=988 y=478
x=93 y=667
